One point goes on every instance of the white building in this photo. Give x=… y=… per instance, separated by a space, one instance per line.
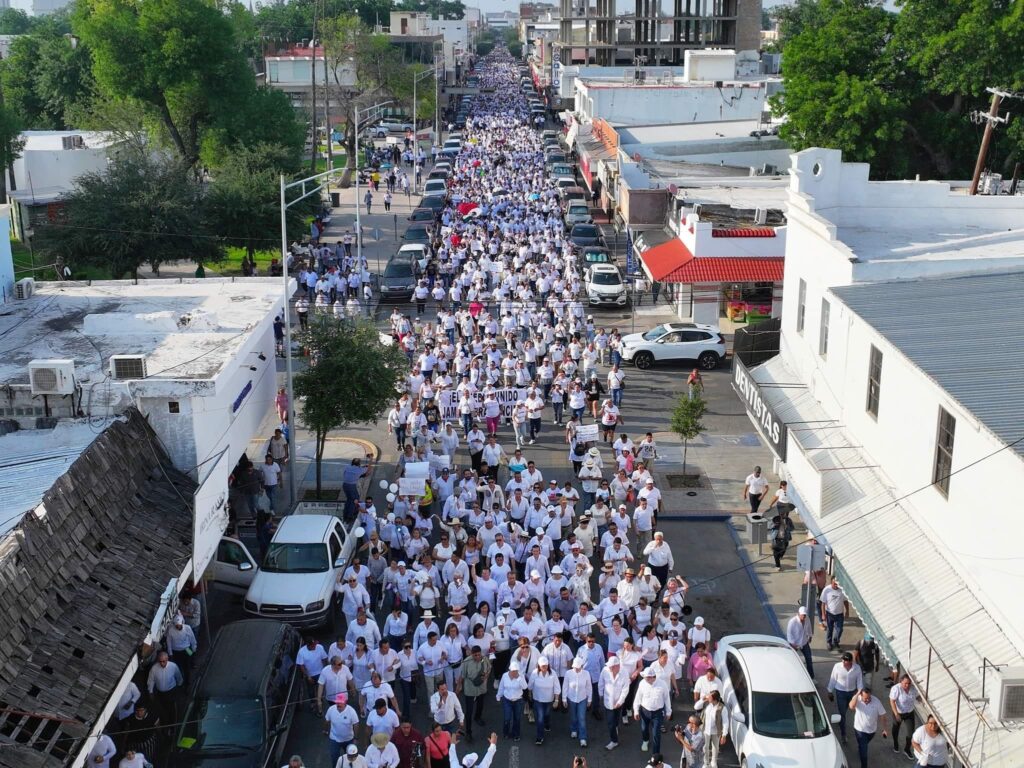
x=37 y=7
x=451 y=35
x=894 y=411
x=196 y=357
x=291 y=71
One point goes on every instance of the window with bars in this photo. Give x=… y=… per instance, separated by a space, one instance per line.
x=874 y=381
x=945 y=433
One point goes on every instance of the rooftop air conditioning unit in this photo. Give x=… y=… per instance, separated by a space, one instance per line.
x=73 y=142
x=52 y=377
x=24 y=288
x=1007 y=694
x=761 y=216
x=697 y=209
x=127 y=367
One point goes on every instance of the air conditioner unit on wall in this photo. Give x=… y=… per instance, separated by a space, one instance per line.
x=127 y=367
x=1006 y=694
x=24 y=288
x=52 y=377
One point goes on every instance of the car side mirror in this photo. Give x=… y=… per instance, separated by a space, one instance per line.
x=739 y=717
x=836 y=719
x=245 y=566
x=339 y=563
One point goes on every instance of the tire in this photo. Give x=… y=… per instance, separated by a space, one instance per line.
x=644 y=361
x=708 y=361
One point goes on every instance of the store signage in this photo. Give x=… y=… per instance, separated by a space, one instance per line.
x=765 y=419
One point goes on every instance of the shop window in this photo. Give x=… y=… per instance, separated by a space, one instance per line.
x=874 y=381
x=943 y=451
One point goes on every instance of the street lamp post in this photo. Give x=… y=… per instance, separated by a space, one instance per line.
x=370 y=111
x=285 y=205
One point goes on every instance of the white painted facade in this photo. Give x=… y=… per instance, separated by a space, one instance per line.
x=863 y=480
x=46 y=166
x=709 y=65
x=37 y=7
x=624 y=104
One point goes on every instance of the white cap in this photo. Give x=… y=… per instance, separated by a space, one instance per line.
x=513 y=667
x=556 y=569
x=534 y=574
x=802 y=611
x=352 y=749
x=613 y=661
x=470 y=760
x=542 y=661
x=649 y=672
x=391 y=519
x=699 y=621
x=401 y=563
x=539 y=531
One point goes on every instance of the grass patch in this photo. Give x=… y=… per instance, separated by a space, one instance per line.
x=23 y=267
x=231 y=266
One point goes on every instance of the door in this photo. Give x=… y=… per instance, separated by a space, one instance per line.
x=233 y=567
x=670 y=347
x=736 y=699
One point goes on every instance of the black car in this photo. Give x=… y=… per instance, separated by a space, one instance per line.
x=586 y=234
x=422 y=214
x=419 y=232
x=399 y=278
x=435 y=203
x=243 y=703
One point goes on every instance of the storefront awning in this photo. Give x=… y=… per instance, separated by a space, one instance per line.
x=672 y=262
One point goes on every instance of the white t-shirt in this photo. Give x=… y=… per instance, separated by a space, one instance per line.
x=342 y=723
x=756 y=484
x=933 y=748
x=865 y=716
x=271 y=473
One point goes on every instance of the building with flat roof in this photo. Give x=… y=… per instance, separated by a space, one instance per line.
x=290 y=70
x=893 y=410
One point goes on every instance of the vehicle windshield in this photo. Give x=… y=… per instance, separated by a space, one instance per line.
x=585 y=230
x=398 y=269
x=789 y=715
x=655 y=333
x=417 y=233
x=295 y=558
x=223 y=725
x=606 y=278
x=597 y=257
x=583 y=208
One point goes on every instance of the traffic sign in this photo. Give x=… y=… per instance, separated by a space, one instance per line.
x=376 y=233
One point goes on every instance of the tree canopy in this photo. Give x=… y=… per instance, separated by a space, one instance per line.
x=897 y=90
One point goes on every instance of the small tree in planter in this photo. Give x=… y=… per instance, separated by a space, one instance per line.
x=686 y=420
x=352 y=377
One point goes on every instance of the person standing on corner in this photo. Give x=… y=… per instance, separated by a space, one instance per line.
x=798 y=635
x=754 y=488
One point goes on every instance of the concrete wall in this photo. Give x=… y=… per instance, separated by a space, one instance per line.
x=661 y=105
x=708 y=66
x=748 y=25
x=56 y=168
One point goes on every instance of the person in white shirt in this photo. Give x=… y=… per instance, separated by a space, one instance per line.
x=798 y=635
x=651 y=705
x=311 y=659
x=704 y=686
x=754 y=488
x=353 y=596
x=659 y=557
x=335 y=678
x=340 y=722
x=715 y=724
x=613 y=687
x=511 y=690
x=102 y=752
x=131 y=759
x=846 y=679
x=930 y=748
x=903 y=702
x=835 y=609
x=382 y=719
x=446 y=709
x=351 y=759
x=577 y=693
x=381 y=753
x=868 y=715
x=545 y=690
x=470 y=760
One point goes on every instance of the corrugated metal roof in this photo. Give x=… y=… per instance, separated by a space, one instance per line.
x=966 y=333
x=32 y=462
x=897 y=572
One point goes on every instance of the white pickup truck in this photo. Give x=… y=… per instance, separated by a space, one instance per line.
x=295 y=582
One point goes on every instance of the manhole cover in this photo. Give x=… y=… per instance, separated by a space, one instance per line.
x=685 y=481
x=691 y=493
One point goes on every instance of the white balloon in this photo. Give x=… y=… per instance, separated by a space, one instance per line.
x=383 y=485
x=393 y=487
x=359 y=532
x=391 y=498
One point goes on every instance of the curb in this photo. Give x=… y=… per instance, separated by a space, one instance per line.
x=755 y=581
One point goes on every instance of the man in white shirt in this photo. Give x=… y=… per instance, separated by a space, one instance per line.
x=868 y=714
x=270 y=472
x=613 y=687
x=903 y=702
x=339 y=723
x=930 y=748
x=843 y=684
x=754 y=488
x=311 y=659
x=715 y=724
x=659 y=557
x=835 y=609
x=798 y=635
x=651 y=705
x=446 y=709
x=333 y=679
x=705 y=685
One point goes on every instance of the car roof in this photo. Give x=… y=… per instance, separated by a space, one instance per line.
x=230 y=674
x=692 y=326
x=408 y=247
x=303 y=529
x=770 y=664
x=600 y=267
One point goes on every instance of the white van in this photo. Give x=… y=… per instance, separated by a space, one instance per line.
x=295 y=582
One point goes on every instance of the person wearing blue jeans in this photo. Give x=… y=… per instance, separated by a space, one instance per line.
x=545 y=690
x=577 y=695
x=868 y=714
x=835 y=607
x=350 y=483
x=651 y=704
x=843 y=684
x=511 y=693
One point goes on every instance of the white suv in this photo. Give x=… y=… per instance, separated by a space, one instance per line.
x=776 y=717
x=604 y=286
x=675 y=341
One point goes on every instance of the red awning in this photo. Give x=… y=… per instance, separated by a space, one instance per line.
x=662 y=259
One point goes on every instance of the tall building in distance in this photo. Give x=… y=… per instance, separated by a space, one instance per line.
x=653 y=32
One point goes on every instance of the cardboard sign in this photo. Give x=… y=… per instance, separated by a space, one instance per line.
x=417 y=469
x=412 y=486
x=586 y=433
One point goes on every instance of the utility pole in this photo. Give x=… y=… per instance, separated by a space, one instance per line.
x=327 y=97
x=312 y=110
x=991 y=119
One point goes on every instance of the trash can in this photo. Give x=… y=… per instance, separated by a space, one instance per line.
x=757 y=529
x=336 y=199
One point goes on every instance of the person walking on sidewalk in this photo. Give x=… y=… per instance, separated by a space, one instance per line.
x=754 y=488
x=902 y=701
x=835 y=609
x=843 y=684
x=387 y=200
x=798 y=635
x=695 y=384
x=868 y=714
x=368 y=199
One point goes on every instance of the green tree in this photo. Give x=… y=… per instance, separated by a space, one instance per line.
x=686 y=420
x=14 y=21
x=262 y=117
x=11 y=145
x=449 y=9
x=140 y=211
x=352 y=378
x=177 y=58
x=242 y=204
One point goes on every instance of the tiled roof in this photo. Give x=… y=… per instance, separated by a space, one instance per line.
x=741 y=269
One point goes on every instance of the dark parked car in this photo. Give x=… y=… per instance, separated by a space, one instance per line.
x=586 y=234
x=436 y=203
x=418 y=233
x=422 y=214
x=399 y=278
x=242 y=705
